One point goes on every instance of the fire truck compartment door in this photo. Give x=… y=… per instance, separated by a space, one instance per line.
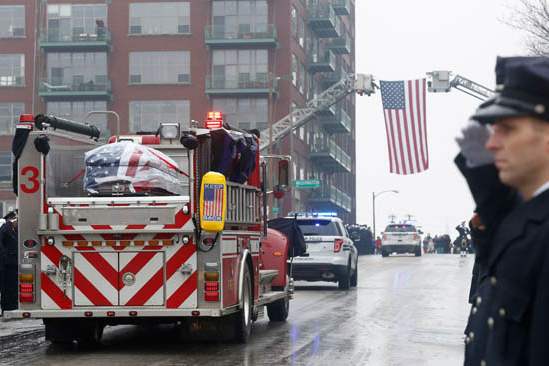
x=147 y=215
x=142 y=278
x=95 y=278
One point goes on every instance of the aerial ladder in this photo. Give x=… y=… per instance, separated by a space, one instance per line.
x=442 y=81
x=439 y=81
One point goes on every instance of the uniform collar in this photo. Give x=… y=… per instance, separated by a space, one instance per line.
x=541 y=189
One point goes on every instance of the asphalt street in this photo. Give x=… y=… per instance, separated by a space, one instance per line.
x=405 y=311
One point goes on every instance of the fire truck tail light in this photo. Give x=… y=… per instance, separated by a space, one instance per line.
x=111 y=313
x=26 y=277
x=26 y=292
x=211 y=296
x=338 y=244
x=211 y=276
x=212 y=286
x=88 y=313
x=133 y=313
x=26 y=287
x=214 y=120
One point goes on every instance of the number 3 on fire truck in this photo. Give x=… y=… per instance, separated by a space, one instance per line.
x=213 y=202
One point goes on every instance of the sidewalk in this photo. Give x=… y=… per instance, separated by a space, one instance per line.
x=14 y=329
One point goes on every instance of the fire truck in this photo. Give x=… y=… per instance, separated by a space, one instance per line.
x=198 y=253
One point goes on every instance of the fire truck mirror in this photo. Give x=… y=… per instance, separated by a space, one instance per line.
x=283 y=175
x=213 y=202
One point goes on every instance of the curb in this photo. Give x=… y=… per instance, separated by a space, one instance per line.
x=19 y=336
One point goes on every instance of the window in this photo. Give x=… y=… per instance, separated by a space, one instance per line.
x=237 y=17
x=244 y=113
x=77 y=71
x=235 y=68
x=301 y=32
x=163 y=67
x=293 y=21
x=12 y=69
x=160 y=18
x=77 y=111
x=9 y=115
x=5 y=166
x=68 y=22
x=294 y=69
x=147 y=115
x=301 y=80
x=319 y=227
x=12 y=21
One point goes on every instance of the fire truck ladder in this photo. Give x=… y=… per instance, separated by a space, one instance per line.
x=442 y=81
x=351 y=83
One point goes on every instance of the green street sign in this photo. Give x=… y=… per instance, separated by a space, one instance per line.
x=307 y=183
x=275 y=210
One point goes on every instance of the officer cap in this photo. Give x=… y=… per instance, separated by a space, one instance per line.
x=525 y=92
x=10 y=215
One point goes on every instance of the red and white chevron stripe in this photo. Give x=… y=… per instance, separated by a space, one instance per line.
x=98 y=277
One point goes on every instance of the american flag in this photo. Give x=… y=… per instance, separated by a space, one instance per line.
x=213 y=202
x=405 y=123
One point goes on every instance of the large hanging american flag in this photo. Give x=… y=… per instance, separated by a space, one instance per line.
x=213 y=202
x=405 y=124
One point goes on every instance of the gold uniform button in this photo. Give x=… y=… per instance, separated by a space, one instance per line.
x=482 y=363
x=490 y=322
x=502 y=312
x=479 y=300
x=474 y=310
x=471 y=336
x=467 y=340
x=493 y=280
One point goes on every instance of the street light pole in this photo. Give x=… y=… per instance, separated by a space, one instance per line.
x=374 y=195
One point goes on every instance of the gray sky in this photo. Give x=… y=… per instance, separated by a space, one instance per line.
x=400 y=40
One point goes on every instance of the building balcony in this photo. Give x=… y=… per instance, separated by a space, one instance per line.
x=330 y=157
x=329 y=112
x=329 y=197
x=342 y=7
x=340 y=123
x=55 y=91
x=244 y=85
x=326 y=63
x=340 y=45
x=323 y=20
x=261 y=35
x=85 y=42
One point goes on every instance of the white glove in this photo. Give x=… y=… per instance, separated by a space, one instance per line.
x=472 y=143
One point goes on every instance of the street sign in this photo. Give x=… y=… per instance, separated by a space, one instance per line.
x=275 y=210
x=307 y=183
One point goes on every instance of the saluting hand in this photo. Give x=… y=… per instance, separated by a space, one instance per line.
x=472 y=143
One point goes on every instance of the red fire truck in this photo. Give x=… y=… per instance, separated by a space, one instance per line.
x=106 y=239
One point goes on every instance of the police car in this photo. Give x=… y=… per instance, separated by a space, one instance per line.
x=401 y=238
x=331 y=255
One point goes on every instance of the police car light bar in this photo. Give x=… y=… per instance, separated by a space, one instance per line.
x=313 y=214
x=214 y=120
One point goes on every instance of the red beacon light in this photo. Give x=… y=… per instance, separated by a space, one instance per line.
x=214 y=120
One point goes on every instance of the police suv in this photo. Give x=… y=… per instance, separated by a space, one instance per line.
x=401 y=238
x=331 y=255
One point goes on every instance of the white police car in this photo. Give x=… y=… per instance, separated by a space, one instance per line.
x=401 y=238
x=331 y=255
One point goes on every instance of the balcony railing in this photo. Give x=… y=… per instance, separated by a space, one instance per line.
x=245 y=84
x=323 y=20
x=322 y=63
x=342 y=7
x=340 y=45
x=248 y=34
x=339 y=123
x=100 y=40
x=330 y=156
x=331 y=194
x=90 y=90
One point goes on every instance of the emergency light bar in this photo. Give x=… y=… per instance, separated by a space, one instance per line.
x=214 y=120
x=313 y=214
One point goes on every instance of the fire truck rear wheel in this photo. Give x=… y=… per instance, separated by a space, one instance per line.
x=243 y=319
x=90 y=334
x=278 y=311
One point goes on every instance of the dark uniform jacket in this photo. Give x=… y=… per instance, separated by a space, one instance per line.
x=8 y=244
x=509 y=319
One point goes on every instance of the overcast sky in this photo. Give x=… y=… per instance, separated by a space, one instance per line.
x=400 y=40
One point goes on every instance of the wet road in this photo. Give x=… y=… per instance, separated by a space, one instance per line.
x=405 y=311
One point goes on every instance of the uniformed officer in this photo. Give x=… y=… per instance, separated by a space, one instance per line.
x=509 y=320
x=8 y=241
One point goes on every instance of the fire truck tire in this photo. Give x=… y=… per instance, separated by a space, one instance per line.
x=90 y=334
x=56 y=331
x=278 y=310
x=345 y=281
x=243 y=319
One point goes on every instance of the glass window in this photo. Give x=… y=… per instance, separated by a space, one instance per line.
x=301 y=80
x=319 y=227
x=5 y=166
x=231 y=68
x=244 y=113
x=293 y=21
x=12 y=69
x=160 y=18
x=400 y=228
x=9 y=115
x=68 y=22
x=77 y=111
x=301 y=32
x=12 y=21
x=162 y=67
x=77 y=71
x=294 y=69
x=230 y=17
x=147 y=115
